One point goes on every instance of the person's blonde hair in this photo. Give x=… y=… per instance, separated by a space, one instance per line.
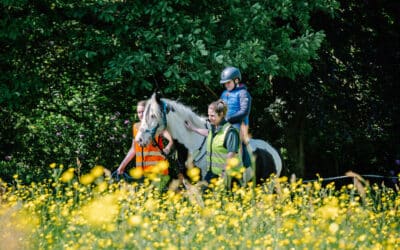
x=142 y=103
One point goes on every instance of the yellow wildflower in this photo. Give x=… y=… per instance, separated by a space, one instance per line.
x=87 y=179
x=97 y=171
x=101 y=211
x=232 y=162
x=317 y=186
x=283 y=179
x=136 y=173
x=362 y=237
x=102 y=186
x=67 y=175
x=333 y=228
x=135 y=220
x=193 y=173
x=162 y=166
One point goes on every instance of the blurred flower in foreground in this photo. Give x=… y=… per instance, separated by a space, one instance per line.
x=97 y=171
x=233 y=162
x=87 y=179
x=194 y=173
x=101 y=211
x=136 y=173
x=135 y=220
x=67 y=175
x=162 y=166
x=16 y=225
x=333 y=228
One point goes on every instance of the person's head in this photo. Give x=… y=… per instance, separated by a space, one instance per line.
x=216 y=112
x=230 y=76
x=140 y=109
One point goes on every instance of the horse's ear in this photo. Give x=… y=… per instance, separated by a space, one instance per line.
x=157 y=96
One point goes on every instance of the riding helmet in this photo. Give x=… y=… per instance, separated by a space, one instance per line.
x=230 y=73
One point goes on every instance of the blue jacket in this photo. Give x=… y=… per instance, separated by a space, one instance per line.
x=238 y=101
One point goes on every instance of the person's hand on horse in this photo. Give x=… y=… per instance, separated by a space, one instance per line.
x=189 y=125
x=200 y=131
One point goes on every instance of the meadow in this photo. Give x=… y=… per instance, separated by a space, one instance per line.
x=89 y=211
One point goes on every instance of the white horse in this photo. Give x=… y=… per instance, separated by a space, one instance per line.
x=161 y=114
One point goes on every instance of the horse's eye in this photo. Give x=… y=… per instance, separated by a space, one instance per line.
x=153 y=116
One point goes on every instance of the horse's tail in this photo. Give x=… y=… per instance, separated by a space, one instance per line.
x=263 y=145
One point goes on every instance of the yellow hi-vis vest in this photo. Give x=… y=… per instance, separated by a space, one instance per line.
x=216 y=152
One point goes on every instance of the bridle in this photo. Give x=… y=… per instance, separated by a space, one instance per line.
x=164 y=111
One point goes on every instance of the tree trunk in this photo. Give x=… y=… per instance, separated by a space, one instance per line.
x=295 y=143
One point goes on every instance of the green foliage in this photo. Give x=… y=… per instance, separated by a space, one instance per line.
x=72 y=129
x=342 y=114
x=72 y=70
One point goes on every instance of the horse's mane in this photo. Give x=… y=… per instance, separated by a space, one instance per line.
x=188 y=113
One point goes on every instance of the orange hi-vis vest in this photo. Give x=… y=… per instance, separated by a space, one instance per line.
x=150 y=155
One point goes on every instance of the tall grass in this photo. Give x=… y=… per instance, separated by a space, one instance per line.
x=90 y=212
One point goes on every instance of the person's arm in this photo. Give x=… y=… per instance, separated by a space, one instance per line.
x=200 y=131
x=245 y=105
x=167 y=136
x=129 y=156
x=231 y=142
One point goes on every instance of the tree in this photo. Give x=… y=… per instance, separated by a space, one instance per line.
x=343 y=116
x=74 y=69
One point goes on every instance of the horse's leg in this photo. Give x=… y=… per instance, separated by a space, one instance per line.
x=182 y=157
x=265 y=165
x=271 y=156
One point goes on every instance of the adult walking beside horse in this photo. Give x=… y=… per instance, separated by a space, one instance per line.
x=222 y=143
x=147 y=156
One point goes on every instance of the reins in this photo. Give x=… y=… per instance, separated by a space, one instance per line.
x=201 y=146
x=142 y=161
x=164 y=112
x=159 y=148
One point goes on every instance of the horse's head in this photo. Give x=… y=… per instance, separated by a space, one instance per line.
x=154 y=121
